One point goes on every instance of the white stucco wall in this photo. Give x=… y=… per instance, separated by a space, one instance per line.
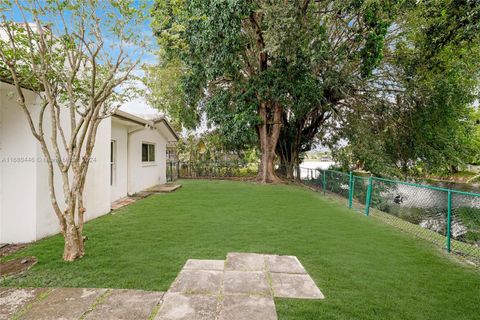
x=26 y=212
x=25 y=208
x=144 y=175
x=97 y=188
x=18 y=171
x=119 y=188
x=96 y=196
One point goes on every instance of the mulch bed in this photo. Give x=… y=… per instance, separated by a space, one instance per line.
x=8 y=249
x=17 y=266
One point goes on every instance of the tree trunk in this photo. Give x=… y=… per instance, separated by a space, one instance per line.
x=74 y=247
x=288 y=150
x=269 y=131
x=287 y=167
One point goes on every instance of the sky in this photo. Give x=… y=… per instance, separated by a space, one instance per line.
x=138 y=106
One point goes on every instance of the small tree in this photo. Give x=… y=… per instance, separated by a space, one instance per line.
x=77 y=57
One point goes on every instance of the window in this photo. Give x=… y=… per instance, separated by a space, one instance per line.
x=112 y=161
x=148 y=152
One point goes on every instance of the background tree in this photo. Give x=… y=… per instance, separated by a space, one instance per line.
x=326 y=52
x=73 y=55
x=426 y=126
x=270 y=66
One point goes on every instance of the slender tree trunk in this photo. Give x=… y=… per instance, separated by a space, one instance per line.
x=74 y=247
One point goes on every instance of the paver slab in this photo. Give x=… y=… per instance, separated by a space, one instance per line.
x=247 y=307
x=165 y=188
x=299 y=286
x=179 y=306
x=284 y=264
x=246 y=282
x=64 y=304
x=12 y=301
x=127 y=305
x=195 y=264
x=198 y=281
x=245 y=262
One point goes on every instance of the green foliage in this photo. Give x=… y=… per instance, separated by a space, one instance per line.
x=212 y=146
x=166 y=94
x=238 y=54
x=394 y=80
x=427 y=121
x=470 y=218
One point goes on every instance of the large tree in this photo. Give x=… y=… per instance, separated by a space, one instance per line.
x=277 y=67
x=229 y=70
x=74 y=56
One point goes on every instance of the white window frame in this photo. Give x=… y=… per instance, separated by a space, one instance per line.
x=149 y=161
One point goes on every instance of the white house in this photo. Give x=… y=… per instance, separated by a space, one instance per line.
x=129 y=156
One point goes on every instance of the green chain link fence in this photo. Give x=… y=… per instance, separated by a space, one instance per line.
x=448 y=218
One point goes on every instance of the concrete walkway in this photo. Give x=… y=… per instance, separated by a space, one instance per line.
x=241 y=287
x=78 y=303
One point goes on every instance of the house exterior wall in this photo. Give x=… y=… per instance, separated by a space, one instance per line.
x=18 y=171
x=97 y=188
x=96 y=195
x=120 y=182
x=26 y=212
x=142 y=175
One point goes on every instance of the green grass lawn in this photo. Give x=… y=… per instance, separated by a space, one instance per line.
x=365 y=268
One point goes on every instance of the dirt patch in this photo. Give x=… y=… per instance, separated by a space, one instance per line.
x=17 y=266
x=8 y=249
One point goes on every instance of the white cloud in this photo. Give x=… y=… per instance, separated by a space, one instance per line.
x=140 y=107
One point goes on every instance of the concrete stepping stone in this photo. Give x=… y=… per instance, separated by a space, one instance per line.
x=246 y=282
x=284 y=264
x=180 y=306
x=64 y=304
x=165 y=188
x=247 y=307
x=14 y=300
x=297 y=286
x=195 y=264
x=126 y=305
x=245 y=262
x=198 y=282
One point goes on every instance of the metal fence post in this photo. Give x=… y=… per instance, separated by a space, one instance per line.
x=449 y=220
x=369 y=196
x=324 y=181
x=350 y=190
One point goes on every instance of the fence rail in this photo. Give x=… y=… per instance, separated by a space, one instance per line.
x=446 y=217
x=210 y=169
